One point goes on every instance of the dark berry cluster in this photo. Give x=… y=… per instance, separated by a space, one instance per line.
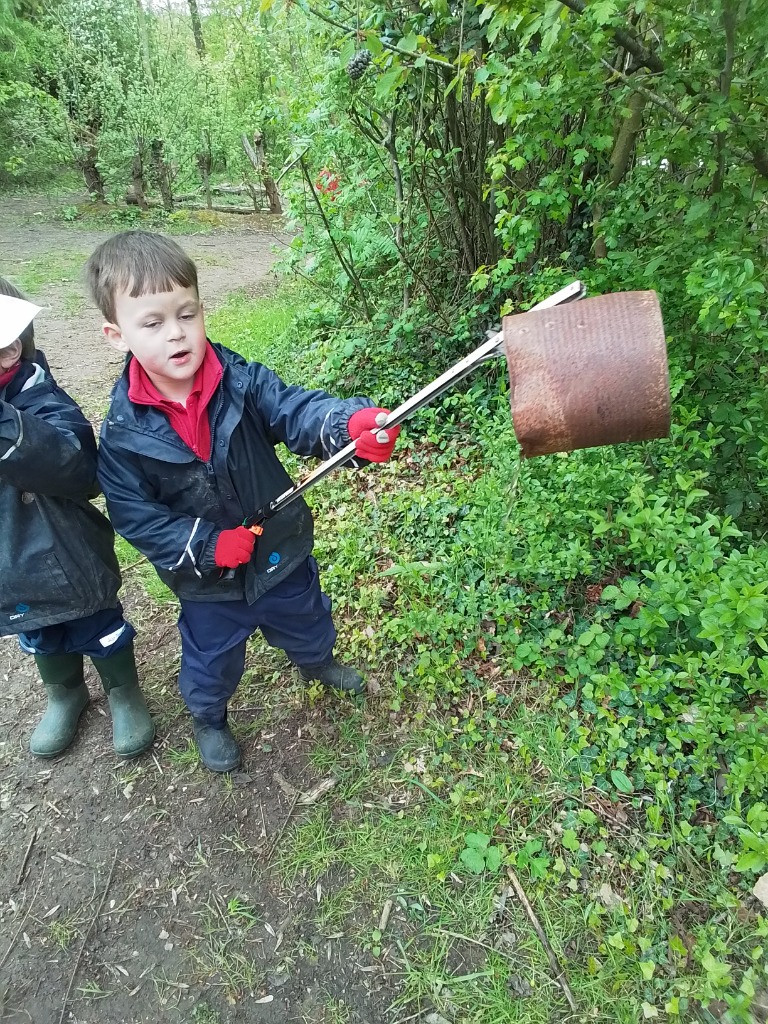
x=357 y=66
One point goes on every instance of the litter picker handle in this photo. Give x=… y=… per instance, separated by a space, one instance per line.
x=488 y=350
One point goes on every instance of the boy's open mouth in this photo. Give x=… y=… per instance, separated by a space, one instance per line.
x=179 y=357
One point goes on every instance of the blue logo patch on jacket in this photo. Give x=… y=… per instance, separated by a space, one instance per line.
x=274 y=558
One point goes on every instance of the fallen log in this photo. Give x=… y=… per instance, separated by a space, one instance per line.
x=184 y=203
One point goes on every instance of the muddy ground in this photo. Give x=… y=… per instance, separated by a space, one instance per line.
x=145 y=890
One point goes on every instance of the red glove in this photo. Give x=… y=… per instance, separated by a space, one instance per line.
x=373 y=444
x=234 y=547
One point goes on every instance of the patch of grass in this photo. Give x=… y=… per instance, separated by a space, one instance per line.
x=457 y=578
x=93 y=990
x=338 y=905
x=35 y=276
x=63 y=932
x=187 y=756
x=336 y=1011
x=312 y=850
x=227 y=951
x=48 y=181
x=258 y=328
x=204 y=1013
x=129 y=777
x=92 y=215
x=462 y=940
x=71 y=304
x=133 y=562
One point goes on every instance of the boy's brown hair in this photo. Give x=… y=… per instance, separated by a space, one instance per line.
x=137 y=262
x=27 y=336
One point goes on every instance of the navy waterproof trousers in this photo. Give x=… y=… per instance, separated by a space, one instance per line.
x=99 y=635
x=294 y=615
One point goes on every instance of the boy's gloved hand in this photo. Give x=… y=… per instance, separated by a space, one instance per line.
x=373 y=444
x=234 y=547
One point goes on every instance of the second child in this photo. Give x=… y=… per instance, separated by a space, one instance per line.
x=187 y=452
x=59 y=576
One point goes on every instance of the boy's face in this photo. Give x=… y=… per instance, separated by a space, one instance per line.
x=165 y=331
x=9 y=356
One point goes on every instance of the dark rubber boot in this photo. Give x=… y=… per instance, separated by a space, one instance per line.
x=62 y=676
x=218 y=748
x=132 y=728
x=331 y=673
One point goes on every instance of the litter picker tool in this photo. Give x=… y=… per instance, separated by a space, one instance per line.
x=582 y=374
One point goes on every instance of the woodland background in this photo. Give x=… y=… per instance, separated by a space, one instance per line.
x=437 y=165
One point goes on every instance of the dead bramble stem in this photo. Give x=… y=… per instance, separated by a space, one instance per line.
x=85 y=937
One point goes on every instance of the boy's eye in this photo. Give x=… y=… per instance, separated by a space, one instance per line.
x=152 y=323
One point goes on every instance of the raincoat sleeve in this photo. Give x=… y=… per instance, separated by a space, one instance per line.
x=308 y=422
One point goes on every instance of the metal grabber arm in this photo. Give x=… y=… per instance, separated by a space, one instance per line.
x=490 y=349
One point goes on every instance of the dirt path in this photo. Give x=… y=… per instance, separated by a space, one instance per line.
x=240 y=255
x=195 y=924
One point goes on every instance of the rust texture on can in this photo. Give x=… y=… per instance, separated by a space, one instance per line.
x=588 y=373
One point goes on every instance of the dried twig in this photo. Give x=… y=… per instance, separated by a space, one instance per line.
x=281 y=831
x=85 y=937
x=554 y=963
x=288 y=789
x=26 y=915
x=23 y=867
x=474 y=942
x=139 y=561
x=317 y=792
x=384 y=919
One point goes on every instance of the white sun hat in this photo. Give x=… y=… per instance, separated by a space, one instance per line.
x=15 y=315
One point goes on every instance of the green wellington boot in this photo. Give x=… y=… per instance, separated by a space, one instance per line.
x=132 y=728
x=67 y=693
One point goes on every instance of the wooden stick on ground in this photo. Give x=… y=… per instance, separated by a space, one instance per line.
x=85 y=937
x=554 y=963
x=281 y=831
x=23 y=867
x=26 y=914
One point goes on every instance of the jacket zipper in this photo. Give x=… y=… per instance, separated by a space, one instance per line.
x=209 y=461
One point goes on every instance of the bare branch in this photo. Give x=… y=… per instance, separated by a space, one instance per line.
x=628 y=40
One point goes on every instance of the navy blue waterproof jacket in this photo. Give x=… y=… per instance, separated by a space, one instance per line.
x=57 y=560
x=172 y=506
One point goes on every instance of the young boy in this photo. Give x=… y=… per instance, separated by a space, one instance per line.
x=187 y=451
x=59 y=577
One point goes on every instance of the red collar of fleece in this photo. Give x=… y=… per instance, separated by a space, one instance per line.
x=190 y=421
x=7 y=377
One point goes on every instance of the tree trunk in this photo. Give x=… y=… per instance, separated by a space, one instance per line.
x=255 y=198
x=197 y=28
x=621 y=158
x=390 y=144
x=256 y=155
x=137 y=177
x=726 y=78
x=141 y=24
x=91 y=173
x=204 y=163
x=162 y=176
